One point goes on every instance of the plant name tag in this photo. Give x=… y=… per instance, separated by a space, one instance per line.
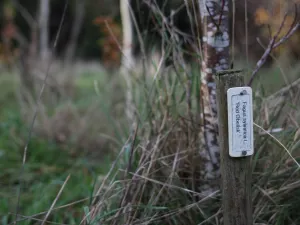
x=240 y=121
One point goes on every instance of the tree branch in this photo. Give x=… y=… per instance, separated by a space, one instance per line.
x=274 y=43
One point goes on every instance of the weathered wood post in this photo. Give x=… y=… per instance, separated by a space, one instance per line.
x=236 y=146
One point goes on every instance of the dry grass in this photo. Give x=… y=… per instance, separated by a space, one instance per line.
x=157 y=178
x=73 y=104
x=161 y=185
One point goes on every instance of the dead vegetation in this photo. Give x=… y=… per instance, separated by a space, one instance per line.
x=160 y=181
x=157 y=177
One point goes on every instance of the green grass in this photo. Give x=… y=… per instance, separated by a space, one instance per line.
x=166 y=167
x=98 y=100
x=48 y=163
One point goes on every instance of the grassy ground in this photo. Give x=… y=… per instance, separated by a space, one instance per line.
x=95 y=113
x=48 y=162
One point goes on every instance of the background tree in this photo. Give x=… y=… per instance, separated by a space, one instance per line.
x=76 y=28
x=127 y=62
x=215 y=48
x=44 y=13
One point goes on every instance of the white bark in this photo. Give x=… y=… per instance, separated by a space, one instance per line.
x=127 y=61
x=44 y=28
x=216 y=43
x=78 y=21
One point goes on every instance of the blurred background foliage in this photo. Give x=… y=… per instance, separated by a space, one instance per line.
x=81 y=124
x=101 y=30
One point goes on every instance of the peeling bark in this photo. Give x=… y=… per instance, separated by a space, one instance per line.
x=215 y=46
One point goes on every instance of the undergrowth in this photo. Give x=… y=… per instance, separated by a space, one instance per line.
x=68 y=139
x=160 y=181
x=150 y=176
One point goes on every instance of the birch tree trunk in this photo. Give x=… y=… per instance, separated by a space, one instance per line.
x=44 y=28
x=127 y=61
x=78 y=21
x=215 y=46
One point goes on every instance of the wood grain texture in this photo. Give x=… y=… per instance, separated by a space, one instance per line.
x=235 y=172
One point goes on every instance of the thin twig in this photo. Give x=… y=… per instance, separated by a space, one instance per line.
x=35 y=114
x=260 y=127
x=40 y=220
x=32 y=217
x=55 y=200
x=283 y=90
x=274 y=43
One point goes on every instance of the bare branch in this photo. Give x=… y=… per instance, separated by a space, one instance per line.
x=274 y=43
x=32 y=23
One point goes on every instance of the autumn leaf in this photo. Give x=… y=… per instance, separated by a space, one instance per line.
x=262 y=16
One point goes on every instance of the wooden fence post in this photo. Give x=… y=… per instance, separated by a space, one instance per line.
x=235 y=171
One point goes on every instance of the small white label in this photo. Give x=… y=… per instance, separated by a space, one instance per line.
x=240 y=121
